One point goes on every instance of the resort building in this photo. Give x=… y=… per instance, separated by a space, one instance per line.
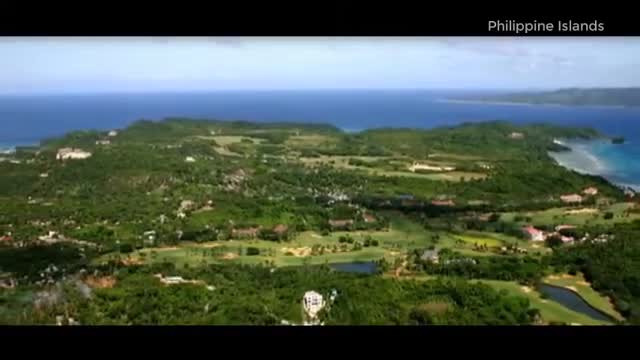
x=590 y=191
x=516 y=135
x=533 y=234
x=70 y=153
x=113 y=133
x=417 y=166
x=312 y=302
x=571 y=198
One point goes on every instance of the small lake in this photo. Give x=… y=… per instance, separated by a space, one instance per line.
x=367 y=267
x=573 y=301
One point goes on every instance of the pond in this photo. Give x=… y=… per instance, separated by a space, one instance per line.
x=367 y=267
x=573 y=301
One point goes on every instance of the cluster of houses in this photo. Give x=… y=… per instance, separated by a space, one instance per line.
x=577 y=198
x=72 y=154
x=537 y=235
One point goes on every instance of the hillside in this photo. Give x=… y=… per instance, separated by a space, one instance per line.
x=237 y=210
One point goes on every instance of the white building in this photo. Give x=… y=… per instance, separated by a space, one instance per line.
x=312 y=303
x=70 y=153
x=571 y=198
x=418 y=166
x=113 y=133
x=190 y=159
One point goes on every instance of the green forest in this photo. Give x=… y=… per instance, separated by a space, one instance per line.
x=250 y=216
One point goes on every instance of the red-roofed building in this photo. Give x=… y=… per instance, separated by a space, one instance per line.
x=533 y=234
x=566 y=239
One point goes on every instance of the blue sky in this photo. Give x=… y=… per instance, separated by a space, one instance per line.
x=89 y=65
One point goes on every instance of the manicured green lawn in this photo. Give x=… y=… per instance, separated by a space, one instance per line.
x=579 y=285
x=342 y=162
x=477 y=239
x=560 y=215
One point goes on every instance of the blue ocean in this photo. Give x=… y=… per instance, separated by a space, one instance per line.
x=25 y=120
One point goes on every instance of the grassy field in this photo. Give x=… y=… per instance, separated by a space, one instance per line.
x=442 y=176
x=550 y=311
x=297 y=252
x=310 y=140
x=562 y=215
x=342 y=162
x=478 y=239
x=465 y=243
x=579 y=285
x=402 y=236
x=224 y=140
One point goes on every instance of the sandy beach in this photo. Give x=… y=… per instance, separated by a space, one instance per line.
x=580 y=159
x=583 y=159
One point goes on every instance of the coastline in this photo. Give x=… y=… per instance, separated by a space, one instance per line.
x=515 y=103
x=582 y=159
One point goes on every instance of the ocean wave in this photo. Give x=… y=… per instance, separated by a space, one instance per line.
x=600 y=159
x=580 y=159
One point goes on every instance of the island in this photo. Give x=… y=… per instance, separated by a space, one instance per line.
x=619 y=97
x=198 y=221
x=617 y=140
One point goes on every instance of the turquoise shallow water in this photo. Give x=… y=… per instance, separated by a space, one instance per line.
x=619 y=163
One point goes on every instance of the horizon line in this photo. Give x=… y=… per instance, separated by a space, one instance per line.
x=136 y=92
